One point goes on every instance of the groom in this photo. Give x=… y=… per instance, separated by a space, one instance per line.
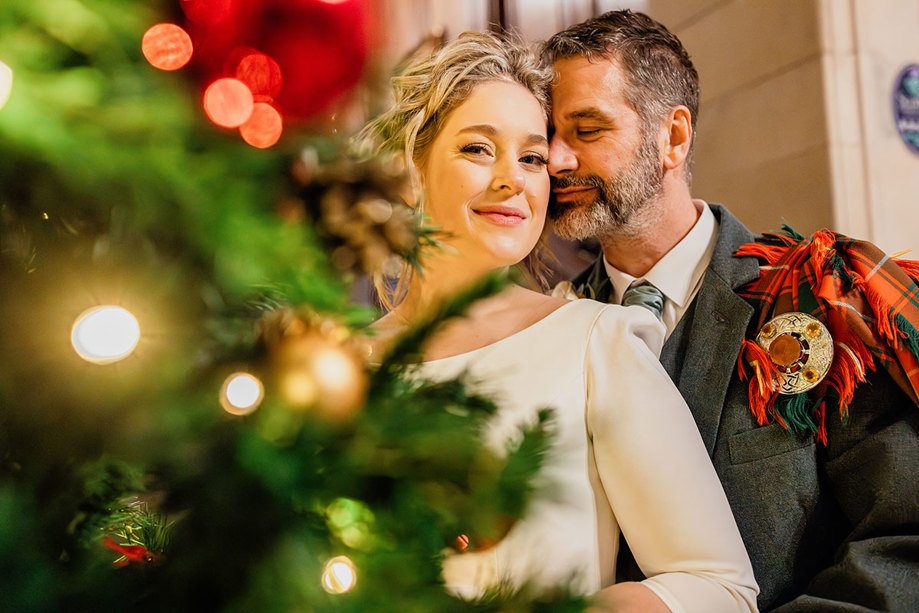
x=829 y=527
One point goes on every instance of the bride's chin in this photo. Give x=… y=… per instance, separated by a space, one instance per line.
x=502 y=258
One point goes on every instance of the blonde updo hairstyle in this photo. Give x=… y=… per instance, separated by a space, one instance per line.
x=426 y=90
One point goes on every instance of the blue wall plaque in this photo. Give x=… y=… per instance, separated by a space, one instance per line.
x=906 y=106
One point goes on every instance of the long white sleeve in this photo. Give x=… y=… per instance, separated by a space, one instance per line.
x=656 y=474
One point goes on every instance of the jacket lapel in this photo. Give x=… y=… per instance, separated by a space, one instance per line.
x=701 y=354
x=593 y=282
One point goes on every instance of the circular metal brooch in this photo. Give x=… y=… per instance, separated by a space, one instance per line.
x=801 y=348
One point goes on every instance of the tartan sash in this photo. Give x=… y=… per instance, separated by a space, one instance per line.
x=868 y=301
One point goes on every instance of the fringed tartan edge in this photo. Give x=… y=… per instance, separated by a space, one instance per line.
x=804 y=412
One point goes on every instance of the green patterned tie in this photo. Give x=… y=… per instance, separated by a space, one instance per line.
x=644 y=294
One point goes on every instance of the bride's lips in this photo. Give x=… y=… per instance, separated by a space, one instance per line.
x=501 y=215
x=571 y=193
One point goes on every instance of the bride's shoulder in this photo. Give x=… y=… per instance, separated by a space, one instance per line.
x=383 y=333
x=626 y=326
x=532 y=306
x=599 y=319
x=540 y=305
x=529 y=298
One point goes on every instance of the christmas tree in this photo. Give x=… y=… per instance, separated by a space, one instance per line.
x=187 y=419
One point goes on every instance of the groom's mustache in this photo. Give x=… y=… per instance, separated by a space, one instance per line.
x=576 y=181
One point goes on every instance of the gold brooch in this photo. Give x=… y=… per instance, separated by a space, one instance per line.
x=801 y=348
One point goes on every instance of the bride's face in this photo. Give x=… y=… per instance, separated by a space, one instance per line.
x=485 y=176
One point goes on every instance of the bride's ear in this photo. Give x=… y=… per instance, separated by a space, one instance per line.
x=414 y=184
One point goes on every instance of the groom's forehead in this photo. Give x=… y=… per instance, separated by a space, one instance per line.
x=578 y=78
x=595 y=70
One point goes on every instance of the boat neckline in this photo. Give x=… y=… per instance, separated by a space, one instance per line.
x=518 y=333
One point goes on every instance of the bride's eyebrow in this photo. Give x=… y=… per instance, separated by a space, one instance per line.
x=483 y=128
x=536 y=139
x=490 y=130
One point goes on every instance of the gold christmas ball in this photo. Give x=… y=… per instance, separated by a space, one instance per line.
x=341 y=380
x=316 y=371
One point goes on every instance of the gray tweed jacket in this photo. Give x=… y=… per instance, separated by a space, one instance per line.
x=832 y=528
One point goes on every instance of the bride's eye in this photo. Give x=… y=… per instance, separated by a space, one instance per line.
x=476 y=149
x=534 y=159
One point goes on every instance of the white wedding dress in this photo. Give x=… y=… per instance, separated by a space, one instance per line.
x=626 y=456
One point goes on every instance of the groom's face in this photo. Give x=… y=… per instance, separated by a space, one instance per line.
x=605 y=165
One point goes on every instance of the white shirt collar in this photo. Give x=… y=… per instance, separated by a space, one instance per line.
x=670 y=275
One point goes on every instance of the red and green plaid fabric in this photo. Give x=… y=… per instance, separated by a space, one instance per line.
x=868 y=301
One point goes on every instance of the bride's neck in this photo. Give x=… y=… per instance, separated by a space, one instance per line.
x=441 y=281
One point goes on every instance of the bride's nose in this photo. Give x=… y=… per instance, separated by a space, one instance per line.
x=508 y=177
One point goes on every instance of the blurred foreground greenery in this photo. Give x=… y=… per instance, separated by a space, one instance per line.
x=114 y=189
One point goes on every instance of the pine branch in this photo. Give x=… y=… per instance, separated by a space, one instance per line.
x=106 y=483
x=410 y=346
x=515 y=484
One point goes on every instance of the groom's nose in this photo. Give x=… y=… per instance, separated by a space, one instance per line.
x=562 y=159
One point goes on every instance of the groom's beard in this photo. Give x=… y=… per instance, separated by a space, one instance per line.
x=617 y=199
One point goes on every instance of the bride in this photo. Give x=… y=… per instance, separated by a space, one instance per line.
x=471 y=124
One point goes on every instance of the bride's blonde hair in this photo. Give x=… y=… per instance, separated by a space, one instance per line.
x=426 y=91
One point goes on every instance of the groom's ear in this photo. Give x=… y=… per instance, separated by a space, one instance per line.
x=678 y=137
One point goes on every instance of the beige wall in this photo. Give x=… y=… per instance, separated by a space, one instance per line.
x=795 y=122
x=761 y=145
x=876 y=178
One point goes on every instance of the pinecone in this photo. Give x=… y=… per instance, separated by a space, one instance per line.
x=358 y=207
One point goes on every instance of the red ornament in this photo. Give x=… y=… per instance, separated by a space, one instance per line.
x=134 y=554
x=208 y=12
x=299 y=55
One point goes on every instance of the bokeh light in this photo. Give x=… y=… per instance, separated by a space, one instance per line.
x=228 y=102
x=6 y=83
x=264 y=126
x=349 y=521
x=339 y=575
x=167 y=46
x=241 y=393
x=105 y=334
x=261 y=73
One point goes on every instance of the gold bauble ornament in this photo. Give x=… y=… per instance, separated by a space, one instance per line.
x=319 y=363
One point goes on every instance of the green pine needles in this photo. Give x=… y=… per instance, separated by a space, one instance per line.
x=115 y=190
